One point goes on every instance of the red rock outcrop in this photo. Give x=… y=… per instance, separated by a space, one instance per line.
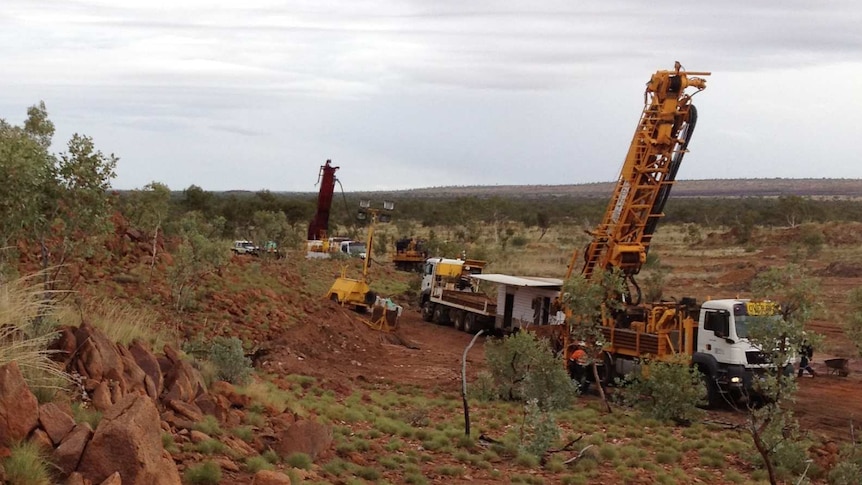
x=309 y=437
x=19 y=409
x=128 y=441
x=67 y=456
x=55 y=421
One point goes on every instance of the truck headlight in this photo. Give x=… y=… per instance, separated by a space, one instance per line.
x=736 y=380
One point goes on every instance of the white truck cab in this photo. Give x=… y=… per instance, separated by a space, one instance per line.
x=723 y=352
x=354 y=249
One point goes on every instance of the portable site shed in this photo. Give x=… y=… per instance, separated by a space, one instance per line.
x=524 y=300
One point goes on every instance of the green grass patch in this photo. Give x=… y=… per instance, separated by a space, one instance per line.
x=368 y=473
x=254 y=464
x=209 y=425
x=245 y=433
x=608 y=453
x=336 y=467
x=26 y=465
x=667 y=457
x=168 y=443
x=206 y=473
x=271 y=456
x=415 y=479
x=298 y=460
x=209 y=447
x=450 y=471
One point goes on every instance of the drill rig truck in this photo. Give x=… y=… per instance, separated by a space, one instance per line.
x=712 y=335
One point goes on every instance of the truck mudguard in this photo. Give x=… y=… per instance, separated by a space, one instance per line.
x=706 y=362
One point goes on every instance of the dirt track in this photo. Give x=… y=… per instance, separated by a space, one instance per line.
x=342 y=348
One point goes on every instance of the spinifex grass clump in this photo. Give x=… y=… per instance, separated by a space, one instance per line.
x=26 y=316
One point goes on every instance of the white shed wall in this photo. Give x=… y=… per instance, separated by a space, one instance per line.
x=523 y=313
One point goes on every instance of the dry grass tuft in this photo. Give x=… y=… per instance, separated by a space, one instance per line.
x=121 y=322
x=26 y=313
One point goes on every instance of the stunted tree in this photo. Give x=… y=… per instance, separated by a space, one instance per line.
x=543 y=221
x=198 y=199
x=779 y=337
x=273 y=226
x=59 y=202
x=148 y=209
x=25 y=168
x=199 y=254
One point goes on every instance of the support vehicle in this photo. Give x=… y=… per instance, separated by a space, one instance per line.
x=245 y=247
x=450 y=294
x=410 y=254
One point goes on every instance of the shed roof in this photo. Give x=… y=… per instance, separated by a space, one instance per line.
x=535 y=281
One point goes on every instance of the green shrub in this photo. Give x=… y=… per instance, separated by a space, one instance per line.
x=608 y=452
x=245 y=433
x=270 y=456
x=253 y=418
x=415 y=478
x=368 y=473
x=168 y=443
x=208 y=425
x=539 y=430
x=299 y=460
x=483 y=388
x=209 y=447
x=672 y=391
x=666 y=457
x=527 y=460
x=336 y=467
x=206 y=473
x=450 y=471
x=229 y=358
x=257 y=463
x=812 y=238
x=26 y=465
x=523 y=368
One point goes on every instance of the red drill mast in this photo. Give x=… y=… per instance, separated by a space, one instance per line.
x=319 y=226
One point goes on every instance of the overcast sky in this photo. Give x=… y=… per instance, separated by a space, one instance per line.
x=257 y=94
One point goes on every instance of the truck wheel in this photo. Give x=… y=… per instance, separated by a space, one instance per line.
x=441 y=315
x=711 y=395
x=470 y=323
x=428 y=311
x=458 y=319
x=608 y=372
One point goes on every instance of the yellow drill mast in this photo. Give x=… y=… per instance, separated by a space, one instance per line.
x=623 y=237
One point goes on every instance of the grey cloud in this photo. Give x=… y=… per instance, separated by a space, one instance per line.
x=431 y=93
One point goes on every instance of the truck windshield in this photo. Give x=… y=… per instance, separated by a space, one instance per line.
x=356 y=248
x=741 y=326
x=747 y=313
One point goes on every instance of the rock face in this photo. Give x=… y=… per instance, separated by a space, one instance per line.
x=103 y=361
x=66 y=456
x=19 y=409
x=97 y=356
x=56 y=422
x=128 y=441
x=182 y=381
x=149 y=364
x=307 y=437
x=267 y=477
